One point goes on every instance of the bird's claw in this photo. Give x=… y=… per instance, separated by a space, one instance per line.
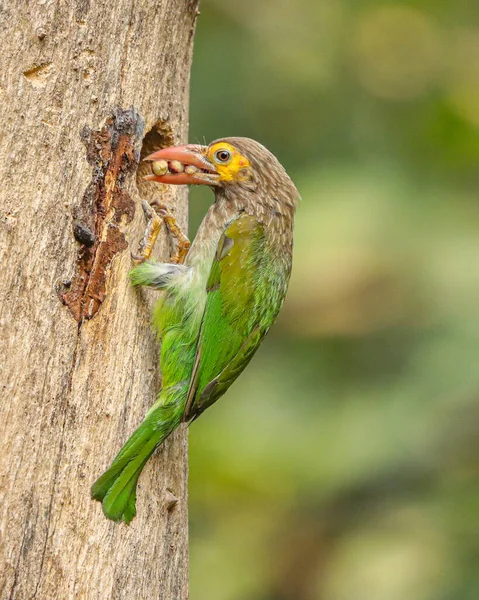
x=160 y=209
x=147 y=209
x=152 y=230
x=156 y=213
x=137 y=259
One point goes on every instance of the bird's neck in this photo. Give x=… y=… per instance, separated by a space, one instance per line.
x=220 y=213
x=277 y=217
x=276 y=214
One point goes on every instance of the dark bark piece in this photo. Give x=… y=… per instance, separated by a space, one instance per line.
x=105 y=209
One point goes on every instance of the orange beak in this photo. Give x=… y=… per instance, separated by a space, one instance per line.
x=182 y=165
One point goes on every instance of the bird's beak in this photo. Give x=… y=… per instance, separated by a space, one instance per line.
x=182 y=165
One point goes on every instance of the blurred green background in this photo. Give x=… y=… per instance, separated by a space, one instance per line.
x=343 y=464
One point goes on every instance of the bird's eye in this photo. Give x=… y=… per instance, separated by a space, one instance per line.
x=223 y=156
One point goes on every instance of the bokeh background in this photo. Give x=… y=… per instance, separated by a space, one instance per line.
x=343 y=464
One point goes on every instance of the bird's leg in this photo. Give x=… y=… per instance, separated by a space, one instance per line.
x=152 y=230
x=182 y=242
x=156 y=214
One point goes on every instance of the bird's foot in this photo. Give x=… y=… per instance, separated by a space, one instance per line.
x=183 y=244
x=156 y=214
x=150 y=236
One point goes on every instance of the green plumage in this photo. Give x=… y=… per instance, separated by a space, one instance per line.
x=212 y=316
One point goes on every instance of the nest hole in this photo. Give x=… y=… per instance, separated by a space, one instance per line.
x=159 y=136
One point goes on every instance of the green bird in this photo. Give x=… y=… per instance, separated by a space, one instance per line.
x=221 y=295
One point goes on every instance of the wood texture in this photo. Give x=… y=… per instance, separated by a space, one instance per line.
x=74 y=390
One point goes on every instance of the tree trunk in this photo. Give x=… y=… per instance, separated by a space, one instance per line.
x=85 y=87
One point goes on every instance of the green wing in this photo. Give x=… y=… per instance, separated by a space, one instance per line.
x=244 y=297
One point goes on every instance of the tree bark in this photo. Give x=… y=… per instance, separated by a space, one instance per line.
x=85 y=86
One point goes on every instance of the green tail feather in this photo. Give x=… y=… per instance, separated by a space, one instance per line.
x=116 y=488
x=143 y=274
x=156 y=275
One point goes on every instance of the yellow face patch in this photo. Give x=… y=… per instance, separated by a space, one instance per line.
x=230 y=164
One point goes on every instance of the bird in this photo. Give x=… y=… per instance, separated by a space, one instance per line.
x=219 y=296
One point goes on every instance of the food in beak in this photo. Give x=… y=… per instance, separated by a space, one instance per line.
x=159 y=167
x=182 y=165
x=164 y=167
x=176 y=166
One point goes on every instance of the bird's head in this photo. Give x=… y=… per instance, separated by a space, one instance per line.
x=220 y=163
x=237 y=168
x=228 y=165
